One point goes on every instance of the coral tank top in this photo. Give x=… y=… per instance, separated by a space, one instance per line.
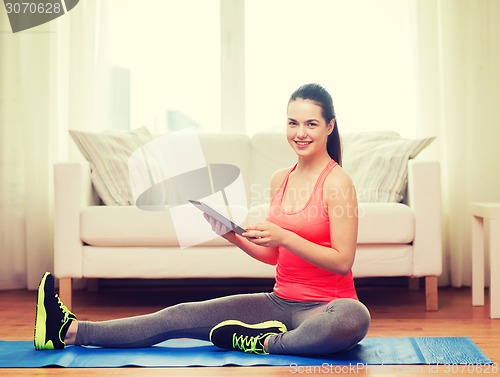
x=297 y=279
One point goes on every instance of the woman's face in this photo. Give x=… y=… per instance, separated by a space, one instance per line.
x=307 y=130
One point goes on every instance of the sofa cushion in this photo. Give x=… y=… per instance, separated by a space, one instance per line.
x=270 y=152
x=390 y=223
x=131 y=226
x=222 y=148
x=185 y=165
x=228 y=148
x=383 y=260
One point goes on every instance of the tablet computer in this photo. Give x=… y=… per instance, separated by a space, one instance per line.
x=218 y=216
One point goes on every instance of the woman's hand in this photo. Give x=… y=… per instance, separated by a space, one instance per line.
x=250 y=244
x=219 y=228
x=265 y=234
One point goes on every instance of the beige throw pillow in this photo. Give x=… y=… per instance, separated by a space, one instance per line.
x=377 y=163
x=108 y=153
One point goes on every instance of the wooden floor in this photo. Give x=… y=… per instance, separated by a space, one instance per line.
x=396 y=311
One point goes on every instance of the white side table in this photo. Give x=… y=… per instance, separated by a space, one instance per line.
x=486 y=227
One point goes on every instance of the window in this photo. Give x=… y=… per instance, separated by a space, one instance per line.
x=360 y=50
x=164 y=58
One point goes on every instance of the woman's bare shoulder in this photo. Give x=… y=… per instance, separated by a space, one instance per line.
x=339 y=183
x=279 y=175
x=278 y=178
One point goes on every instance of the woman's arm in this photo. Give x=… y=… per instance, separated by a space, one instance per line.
x=341 y=202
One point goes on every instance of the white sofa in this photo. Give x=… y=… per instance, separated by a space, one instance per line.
x=92 y=240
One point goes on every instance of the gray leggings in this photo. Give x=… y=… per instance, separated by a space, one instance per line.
x=313 y=327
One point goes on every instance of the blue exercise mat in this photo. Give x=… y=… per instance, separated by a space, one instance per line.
x=189 y=352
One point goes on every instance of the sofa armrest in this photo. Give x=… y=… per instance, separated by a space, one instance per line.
x=72 y=191
x=424 y=197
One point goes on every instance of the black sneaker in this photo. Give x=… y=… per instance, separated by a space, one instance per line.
x=240 y=336
x=52 y=317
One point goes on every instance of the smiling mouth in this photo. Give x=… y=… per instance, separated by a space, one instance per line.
x=302 y=143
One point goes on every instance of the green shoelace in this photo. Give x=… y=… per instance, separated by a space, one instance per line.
x=250 y=344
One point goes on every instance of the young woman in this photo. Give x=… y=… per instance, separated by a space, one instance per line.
x=310 y=235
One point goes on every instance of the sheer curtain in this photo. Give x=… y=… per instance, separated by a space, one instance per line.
x=26 y=113
x=457 y=53
x=48 y=83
